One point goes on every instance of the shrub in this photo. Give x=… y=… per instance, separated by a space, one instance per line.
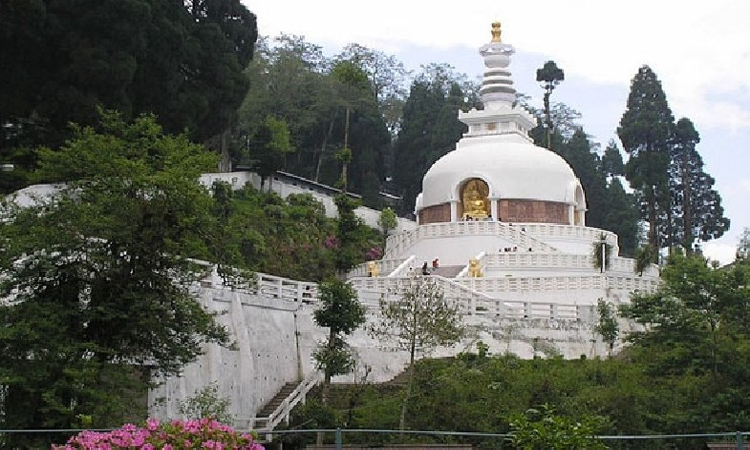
x=175 y=435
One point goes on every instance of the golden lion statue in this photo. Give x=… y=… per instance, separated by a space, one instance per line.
x=475 y=271
x=372 y=269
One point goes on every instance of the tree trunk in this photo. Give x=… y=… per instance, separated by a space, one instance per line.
x=323 y=147
x=225 y=160
x=548 y=124
x=409 y=383
x=344 y=175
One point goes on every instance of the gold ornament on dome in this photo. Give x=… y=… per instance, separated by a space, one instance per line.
x=496 y=32
x=474 y=200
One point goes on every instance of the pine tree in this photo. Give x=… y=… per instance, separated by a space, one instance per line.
x=697 y=213
x=645 y=129
x=549 y=76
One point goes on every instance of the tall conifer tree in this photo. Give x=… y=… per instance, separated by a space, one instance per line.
x=645 y=129
x=696 y=207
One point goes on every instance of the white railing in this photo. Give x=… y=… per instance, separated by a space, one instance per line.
x=257 y=283
x=467 y=299
x=559 y=283
x=398 y=243
x=471 y=302
x=282 y=412
x=521 y=260
x=569 y=231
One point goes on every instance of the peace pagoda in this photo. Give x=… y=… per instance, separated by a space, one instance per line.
x=501 y=227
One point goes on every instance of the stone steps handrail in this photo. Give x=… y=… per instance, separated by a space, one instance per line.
x=398 y=243
x=282 y=412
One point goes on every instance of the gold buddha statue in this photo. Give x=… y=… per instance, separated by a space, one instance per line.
x=474 y=200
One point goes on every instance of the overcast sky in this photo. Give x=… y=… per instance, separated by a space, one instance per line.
x=699 y=50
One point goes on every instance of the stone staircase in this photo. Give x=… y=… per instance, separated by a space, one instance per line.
x=279 y=408
x=446 y=271
x=276 y=401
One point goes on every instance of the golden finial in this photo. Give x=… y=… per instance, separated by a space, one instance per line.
x=496 y=32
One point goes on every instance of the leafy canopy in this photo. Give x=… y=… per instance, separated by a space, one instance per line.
x=96 y=280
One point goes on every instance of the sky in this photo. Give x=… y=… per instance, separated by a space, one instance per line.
x=699 y=50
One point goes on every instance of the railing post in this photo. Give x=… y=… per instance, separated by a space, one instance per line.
x=339 y=443
x=740 y=443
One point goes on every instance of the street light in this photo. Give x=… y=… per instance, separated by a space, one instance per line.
x=7 y=167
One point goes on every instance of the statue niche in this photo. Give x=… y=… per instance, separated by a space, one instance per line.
x=474 y=201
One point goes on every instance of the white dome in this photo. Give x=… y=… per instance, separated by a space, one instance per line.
x=512 y=167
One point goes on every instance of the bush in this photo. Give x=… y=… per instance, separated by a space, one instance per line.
x=175 y=435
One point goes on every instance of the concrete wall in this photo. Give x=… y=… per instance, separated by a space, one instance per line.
x=275 y=339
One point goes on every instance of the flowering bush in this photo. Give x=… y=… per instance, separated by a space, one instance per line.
x=176 y=435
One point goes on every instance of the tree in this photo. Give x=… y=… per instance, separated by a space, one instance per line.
x=697 y=214
x=206 y=403
x=182 y=61
x=578 y=152
x=743 y=248
x=419 y=319
x=607 y=326
x=341 y=312
x=645 y=129
x=430 y=127
x=621 y=217
x=644 y=257
x=612 y=160
x=387 y=220
x=268 y=147
x=545 y=430
x=549 y=76
x=103 y=267
x=387 y=76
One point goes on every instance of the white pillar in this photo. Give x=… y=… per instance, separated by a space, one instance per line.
x=454 y=211
x=493 y=209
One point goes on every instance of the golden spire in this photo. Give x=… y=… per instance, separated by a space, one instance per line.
x=496 y=32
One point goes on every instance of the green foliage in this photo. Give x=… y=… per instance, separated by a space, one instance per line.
x=607 y=326
x=612 y=160
x=417 y=320
x=549 y=76
x=544 y=430
x=645 y=130
x=429 y=127
x=103 y=267
x=388 y=220
x=601 y=252
x=182 y=61
x=743 y=248
x=268 y=146
x=644 y=257
x=696 y=213
x=206 y=403
x=328 y=104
